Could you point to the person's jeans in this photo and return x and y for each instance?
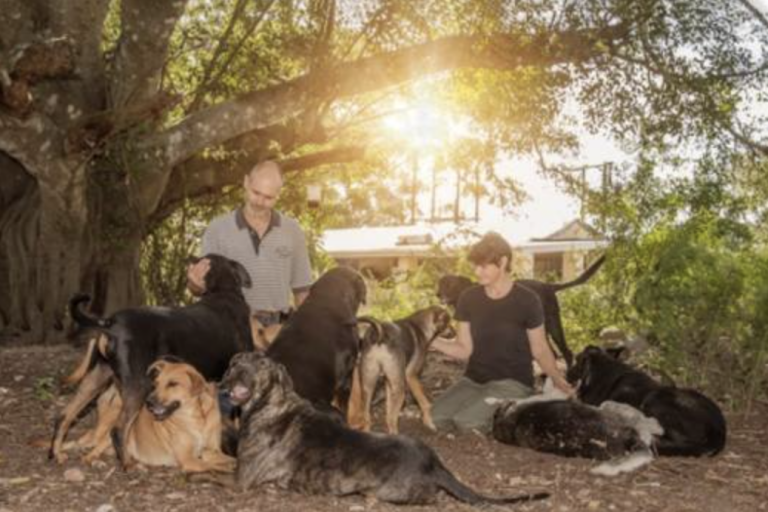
(463, 406)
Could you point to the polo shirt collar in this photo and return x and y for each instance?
(274, 219)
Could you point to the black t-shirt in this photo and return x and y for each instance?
(500, 347)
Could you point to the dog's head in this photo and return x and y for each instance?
(174, 384)
(594, 369)
(224, 275)
(450, 287)
(436, 322)
(254, 378)
(341, 284)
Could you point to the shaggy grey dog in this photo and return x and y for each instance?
(286, 441)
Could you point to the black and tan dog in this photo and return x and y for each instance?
(693, 424)
(398, 350)
(450, 288)
(286, 441)
(180, 425)
(319, 345)
(205, 334)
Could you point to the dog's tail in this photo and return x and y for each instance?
(82, 319)
(451, 485)
(583, 278)
(97, 345)
(372, 335)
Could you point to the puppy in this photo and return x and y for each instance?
(693, 424)
(206, 334)
(398, 351)
(180, 425)
(450, 288)
(319, 345)
(285, 440)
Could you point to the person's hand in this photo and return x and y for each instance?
(196, 273)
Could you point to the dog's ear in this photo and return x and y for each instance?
(283, 377)
(156, 368)
(619, 353)
(243, 277)
(197, 381)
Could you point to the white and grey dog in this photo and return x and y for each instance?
(615, 433)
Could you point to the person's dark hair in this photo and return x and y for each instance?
(490, 249)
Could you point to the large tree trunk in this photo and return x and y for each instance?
(72, 218)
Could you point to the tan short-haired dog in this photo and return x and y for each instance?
(397, 351)
(180, 424)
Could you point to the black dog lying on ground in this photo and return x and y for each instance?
(205, 334)
(613, 432)
(450, 288)
(319, 344)
(693, 424)
(287, 441)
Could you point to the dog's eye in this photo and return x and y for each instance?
(172, 384)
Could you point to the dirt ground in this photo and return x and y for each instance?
(30, 396)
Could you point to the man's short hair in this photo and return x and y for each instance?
(490, 249)
(270, 165)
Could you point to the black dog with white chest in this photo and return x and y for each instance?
(693, 424)
(286, 441)
(205, 334)
(319, 344)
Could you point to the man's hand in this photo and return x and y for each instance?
(196, 273)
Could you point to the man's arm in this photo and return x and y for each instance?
(537, 338)
(301, 271)
(461, 348)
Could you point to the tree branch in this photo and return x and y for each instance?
(200, 177)
(141, 52)
(265, 107)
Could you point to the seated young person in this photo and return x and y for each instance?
(500, 333)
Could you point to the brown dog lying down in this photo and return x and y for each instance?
(180, 424)
(286, 441)
(398, 351)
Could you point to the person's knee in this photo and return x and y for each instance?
(442, 415)
(475, 418)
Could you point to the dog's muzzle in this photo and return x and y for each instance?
(239, 394)
(161, 411)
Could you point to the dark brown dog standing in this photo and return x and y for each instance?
(319, 344)
(206, 335)
(287, 441)
(450, 288)
(398, 350)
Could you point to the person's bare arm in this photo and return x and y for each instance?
(461, 348)
(542, 353)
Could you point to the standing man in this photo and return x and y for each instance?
(269, 244)
(500, 334)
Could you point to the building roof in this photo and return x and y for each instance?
(420, 239)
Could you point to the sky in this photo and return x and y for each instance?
(547, 208)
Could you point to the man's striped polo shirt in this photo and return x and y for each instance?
(278, 263)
